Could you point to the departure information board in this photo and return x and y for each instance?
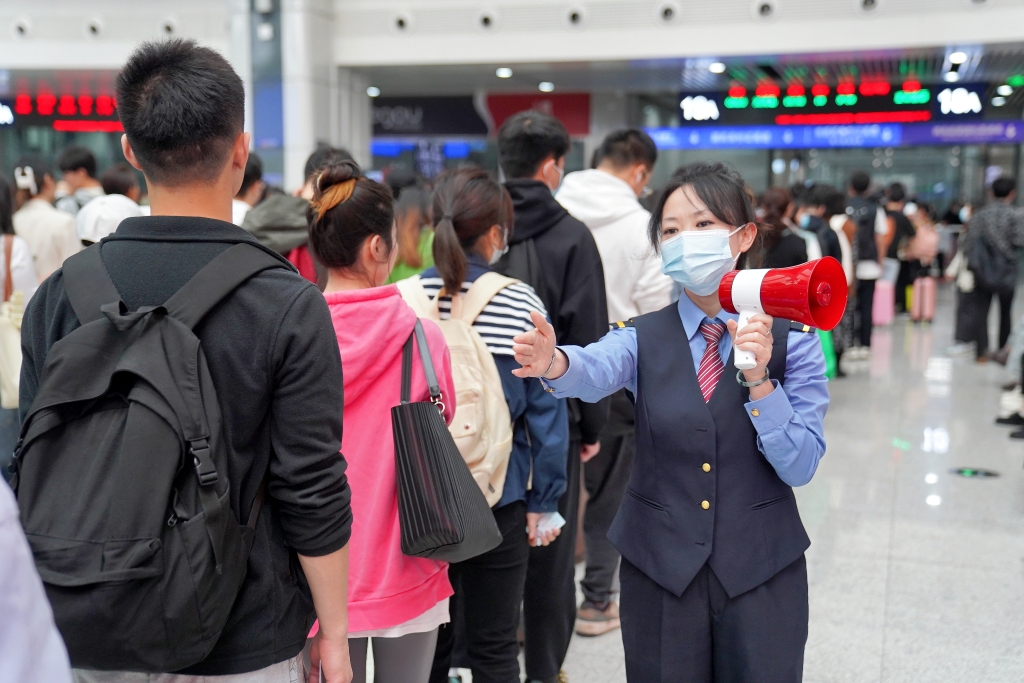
(867, 102)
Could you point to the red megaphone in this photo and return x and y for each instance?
(813, 293)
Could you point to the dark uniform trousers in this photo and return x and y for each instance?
(713, 578)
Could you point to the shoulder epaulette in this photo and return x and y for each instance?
(622, 324)
(800, 327)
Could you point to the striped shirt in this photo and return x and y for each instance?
(507, 314)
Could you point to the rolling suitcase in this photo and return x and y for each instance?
(883, 308)
(923, 304)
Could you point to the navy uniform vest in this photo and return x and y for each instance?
(692, 455)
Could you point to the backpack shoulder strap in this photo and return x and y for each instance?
(216, 280)
(417, 298)
(88, 285)
(480, 294)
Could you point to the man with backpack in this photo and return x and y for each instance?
(870, 243)
(556, 255)
(174, 374)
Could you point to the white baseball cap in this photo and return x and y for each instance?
(102, 215)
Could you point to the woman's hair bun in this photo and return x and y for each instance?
(337, 171)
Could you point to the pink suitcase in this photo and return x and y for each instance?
(922, 307)
(883, 308)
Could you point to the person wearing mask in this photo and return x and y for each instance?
(50, 234)
(279, 221)
(606, 199)
(797, 194)
(902, 233)
(395, 600)
(415, 236)
(251, 192)
(714, 580)
(23, 279)
(273, 359)
(78, 171)
(810, 216)
(869, 250)
(783, 247)
(557, 255)
(1000, 225)
(473, 223)
(846, 232)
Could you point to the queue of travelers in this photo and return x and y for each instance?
(258, 540)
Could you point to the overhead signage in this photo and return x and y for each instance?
(84, 113)
(855, 135)
(405, 116)
(572, 109)
(847, 103)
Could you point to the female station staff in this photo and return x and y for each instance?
(714, 582)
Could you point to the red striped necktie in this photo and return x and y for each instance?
(711, 366)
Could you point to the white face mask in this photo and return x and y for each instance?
(498, 253)
(698, 259)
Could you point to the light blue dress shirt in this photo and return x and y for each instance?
(789, 422)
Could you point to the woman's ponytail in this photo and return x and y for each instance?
(466, 205)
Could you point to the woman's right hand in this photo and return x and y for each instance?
(535, 349)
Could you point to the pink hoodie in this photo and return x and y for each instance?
(386, 588)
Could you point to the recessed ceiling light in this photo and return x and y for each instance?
(546, 86)
(503, 72)
(717, 68)
(933, 500)
(998, 101)
(373, 91)
(951, 77)
(1005, 90)
(958, 57)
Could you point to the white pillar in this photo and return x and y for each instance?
(240, 50)
(607, 114)
(307, 83)
(354, 115)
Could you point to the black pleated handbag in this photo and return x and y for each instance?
(442, 513)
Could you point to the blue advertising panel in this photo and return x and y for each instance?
(776, 137)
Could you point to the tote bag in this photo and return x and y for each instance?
(442, 513)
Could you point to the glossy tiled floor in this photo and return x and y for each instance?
(916, 574)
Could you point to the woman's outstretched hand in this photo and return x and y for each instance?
(534, 350)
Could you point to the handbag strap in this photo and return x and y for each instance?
(428, 368)
(8, 281)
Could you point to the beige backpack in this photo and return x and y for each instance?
(482, 427)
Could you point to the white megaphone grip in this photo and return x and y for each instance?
(746, 298)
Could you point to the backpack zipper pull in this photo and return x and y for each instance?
(172, 520)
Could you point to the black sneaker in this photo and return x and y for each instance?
(1014, 420)
(1019, 434)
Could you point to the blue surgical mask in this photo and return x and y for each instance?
(805, 221)
(498, 253)
(698, 259)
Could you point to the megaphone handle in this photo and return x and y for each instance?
(743, 359)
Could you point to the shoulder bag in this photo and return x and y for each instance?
(442, 513)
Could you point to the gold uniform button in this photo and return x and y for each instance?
(755, 412)
(706, 467)
(704, 504)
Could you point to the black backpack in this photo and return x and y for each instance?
(863, 213)
(522, 262)
(121, 474)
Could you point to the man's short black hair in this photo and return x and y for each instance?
(528, 138)
(624, 148)
(182, 107)
(323, 155)
(75, 157)
(860, 182)
(1003, 186)
(896, 192)
(819, 195)
(119, 179)
(253, 173)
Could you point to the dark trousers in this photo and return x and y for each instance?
(704, 636)
(606, 477)
(485, 607)
(865, 302)
(982, 301)
(549, 599)
(10, 428)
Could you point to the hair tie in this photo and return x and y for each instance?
(25, 179)
(449, 217)
(332, 196)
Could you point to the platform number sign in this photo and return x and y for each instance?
(959, 101)
(699, 108)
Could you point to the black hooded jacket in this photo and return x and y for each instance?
(573, 282)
